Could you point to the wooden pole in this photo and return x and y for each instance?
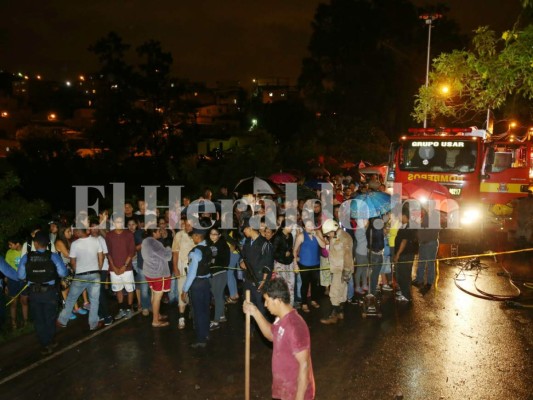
(247, 354)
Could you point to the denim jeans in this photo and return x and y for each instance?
(92, 284)
(200, 294)
(232, 283)
(351, 288)
(43, 308)
(376, 260)
(427, 253)
(146, 302)
(298, 289)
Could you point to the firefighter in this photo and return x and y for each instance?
(341, 264)
(41, 268)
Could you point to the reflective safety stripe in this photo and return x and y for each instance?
(487, 187)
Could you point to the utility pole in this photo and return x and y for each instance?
(429, 18)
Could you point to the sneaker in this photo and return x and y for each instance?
(402, 299)
(386, 288)
(87, 306)
(214, 325)
(108, 320)
(59, 324)
(145, 312)
(73, 316)
(359, 291)
(128, 313)
(46, 351)
(222, 319)
(121, 314)
(181, 323)
(81, 311)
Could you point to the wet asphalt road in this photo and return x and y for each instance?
(446, 345)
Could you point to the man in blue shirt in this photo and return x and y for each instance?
(41, 268)
(198, 286)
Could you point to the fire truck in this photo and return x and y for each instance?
(490, 177)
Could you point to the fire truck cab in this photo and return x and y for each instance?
(484, 175)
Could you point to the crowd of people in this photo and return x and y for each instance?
(181, 258)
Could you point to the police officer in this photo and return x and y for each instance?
(198, 286)
(41, 268)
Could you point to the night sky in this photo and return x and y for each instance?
(210, 40)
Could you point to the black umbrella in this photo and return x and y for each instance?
(256, 185)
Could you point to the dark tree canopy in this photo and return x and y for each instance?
(367, 59)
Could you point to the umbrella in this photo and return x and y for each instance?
(424, 191)
(348, 165)
(256, 185)
(282, 177)
(370, 205)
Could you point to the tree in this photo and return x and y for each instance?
(495, 71)
(130, 103)
(18, 215)
(367, 59)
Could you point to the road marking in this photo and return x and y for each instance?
(58, 353)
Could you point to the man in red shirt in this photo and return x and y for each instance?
(292, 369)
(121, 250)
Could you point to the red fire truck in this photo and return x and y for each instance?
(485, 175)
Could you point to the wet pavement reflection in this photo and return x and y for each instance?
(446, 345)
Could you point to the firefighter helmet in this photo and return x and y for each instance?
(329, 225)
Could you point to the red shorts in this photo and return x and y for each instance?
(159, 284)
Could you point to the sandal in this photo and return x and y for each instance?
(315, 304)
(160, 324)
(163, 317)
(232, 300)
(305, 308)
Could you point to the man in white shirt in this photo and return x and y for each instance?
(86, 258)
(103, 307)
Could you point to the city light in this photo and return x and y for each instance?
(4, 114)
(513, 124)
(67, 83)
(52, 117)
(445, 89)
(38, 77)
(82, 78)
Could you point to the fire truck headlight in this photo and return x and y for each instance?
(470, 216)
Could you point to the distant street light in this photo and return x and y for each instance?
(52, 117)
(4, 114)
(445, 89)
(429, 18)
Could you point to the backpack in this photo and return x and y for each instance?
(375, 237)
